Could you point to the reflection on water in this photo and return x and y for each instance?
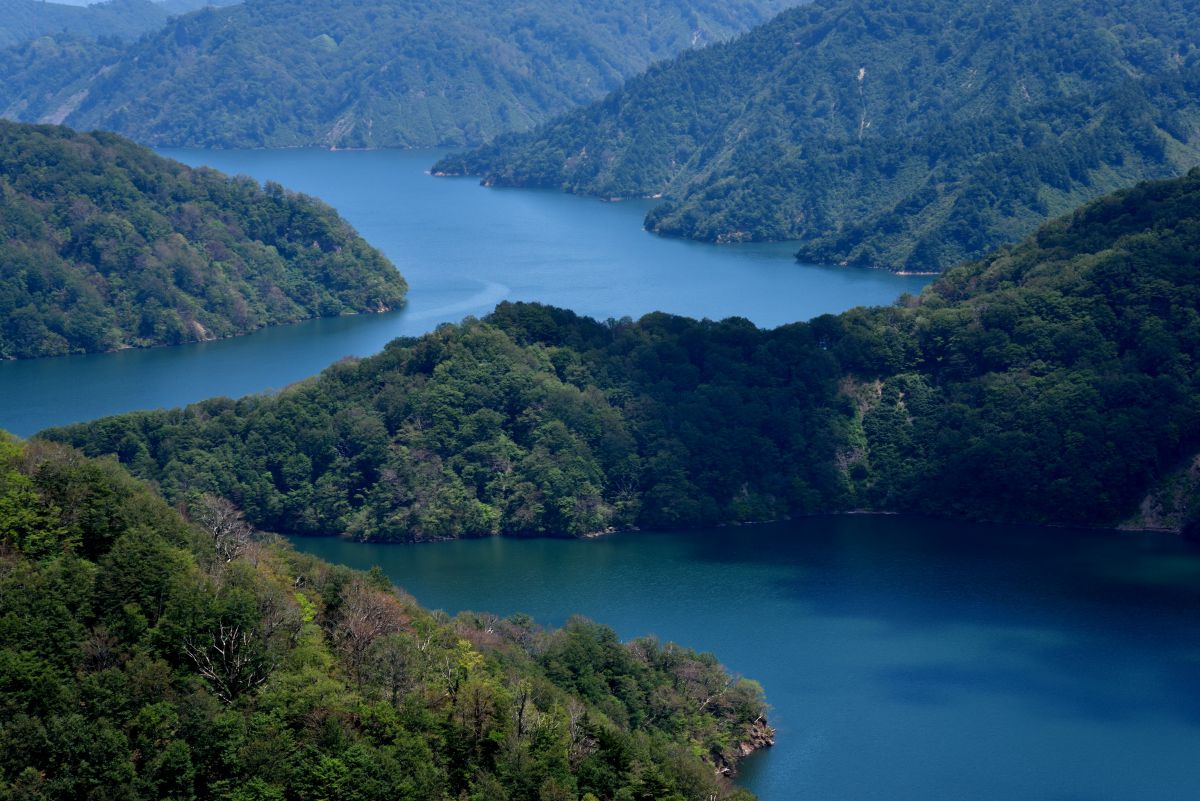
(463, 249)
(904, 658)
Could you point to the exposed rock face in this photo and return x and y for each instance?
(1171, 504)
(760, 735)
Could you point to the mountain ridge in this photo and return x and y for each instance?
(908, 136)
(24, 20)
(344, 73)
(1052, 383)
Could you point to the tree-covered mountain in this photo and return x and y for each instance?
(903, 134)
(175, 7)
(45, 78)
(23, 20)
(350, 73)
(105, 245)
(1057, 381)
(145, 656)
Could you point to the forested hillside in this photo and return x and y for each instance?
(347, 73)
(176, 7)
(143, 656)
(105, 245)
(44, 78)
(1053, 382)
(24, 20)
(901, 134)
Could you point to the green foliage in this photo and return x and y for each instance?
(348, 73)
(535, 421)
(46, 75)
(151, 667)
(1054, 382)
(886, 133)
(105, 245)
(24, 20)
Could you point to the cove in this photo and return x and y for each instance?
(905, 659)
(463, 249)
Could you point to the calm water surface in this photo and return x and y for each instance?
(905, 660)
(463, 249)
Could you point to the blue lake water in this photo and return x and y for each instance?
(463, 249)
(905, 659)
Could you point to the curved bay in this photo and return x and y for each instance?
(905, 659)
(463, 249)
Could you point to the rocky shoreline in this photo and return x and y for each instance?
(760, 736)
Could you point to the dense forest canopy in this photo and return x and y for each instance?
(145, 656)
(24, 20)
(105, 245)
(1055, 381)
(174, 7)
(902, 134)
(359, 73)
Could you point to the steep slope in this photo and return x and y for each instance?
(1057, 381)
(105, 245)
(23, 20)
(45, 79)
(900, 134)
(348, 73)
(143, 656)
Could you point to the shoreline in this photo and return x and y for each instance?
(760, 737)
(612, 530)
(260, 329)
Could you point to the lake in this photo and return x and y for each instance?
(463, 249)
(905, 659)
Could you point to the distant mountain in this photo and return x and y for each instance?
(176, 7)
(23, 20)
(105, 245)
(44, 79)
(349, 73)
(905, 134)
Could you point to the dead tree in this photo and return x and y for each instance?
(232, 661)
(224, 522)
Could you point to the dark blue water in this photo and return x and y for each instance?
(906, 660)
(463, 249)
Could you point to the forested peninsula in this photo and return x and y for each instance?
(105, 245)
(900, 134)
(349, 74)
(148, 656)
(1054, 382)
